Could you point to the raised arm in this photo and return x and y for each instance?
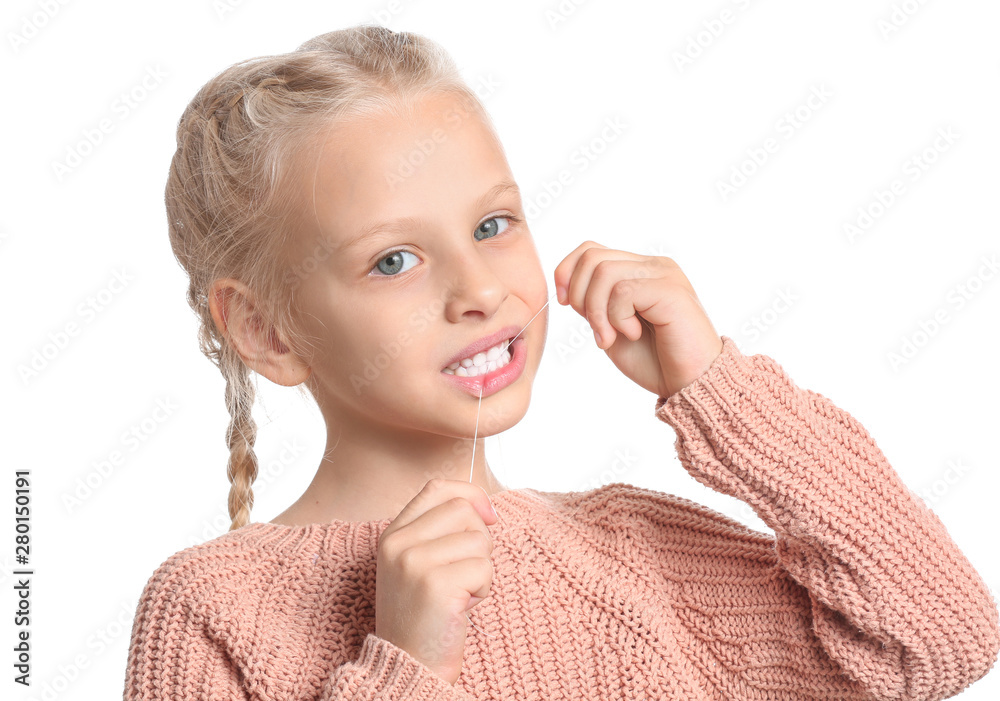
(894, 602)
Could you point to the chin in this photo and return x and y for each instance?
(506, 410)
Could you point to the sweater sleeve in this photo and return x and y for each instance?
(890, 597)
(182, 648)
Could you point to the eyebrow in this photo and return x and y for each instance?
(401, 224)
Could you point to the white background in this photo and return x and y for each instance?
(653, 190)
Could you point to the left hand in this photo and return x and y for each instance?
(650, 321)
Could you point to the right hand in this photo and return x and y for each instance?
(434, 565)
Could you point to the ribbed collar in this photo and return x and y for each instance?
(518, 509)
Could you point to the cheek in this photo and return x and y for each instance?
(528, 268)
(543, 331)
(540, 290)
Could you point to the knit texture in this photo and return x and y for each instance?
(615, 593)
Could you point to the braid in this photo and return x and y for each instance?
(240, 437)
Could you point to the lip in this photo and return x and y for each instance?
(493, 382)
(484, 344)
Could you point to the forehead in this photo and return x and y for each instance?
(410, 133)
(435, 148)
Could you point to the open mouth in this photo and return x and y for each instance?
(482, 363)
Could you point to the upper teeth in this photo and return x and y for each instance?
(481, 363)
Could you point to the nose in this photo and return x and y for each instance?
(474, 288)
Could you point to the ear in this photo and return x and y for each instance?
(259, 344)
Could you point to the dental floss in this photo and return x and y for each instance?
(470, 480)
(473, 466)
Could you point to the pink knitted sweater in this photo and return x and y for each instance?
(615, 593)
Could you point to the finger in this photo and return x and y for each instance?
(452, 548)
(610, 275)
(454, 516)
(438, 491)
(658, 301)
(564, 271)
(580, 278)
(472, 576)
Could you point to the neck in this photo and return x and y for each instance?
(365, 477)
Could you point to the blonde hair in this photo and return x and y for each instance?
(230, 190)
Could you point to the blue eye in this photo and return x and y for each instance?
(396, 265)
(490, 227)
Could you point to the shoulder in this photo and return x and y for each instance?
(625, 513)
(210, 609)
(618, 502)
(194, 576)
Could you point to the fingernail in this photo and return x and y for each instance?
(597, 337)
(494, 509)
(561, 294)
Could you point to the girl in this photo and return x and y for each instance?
(405, 293)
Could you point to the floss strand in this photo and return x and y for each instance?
(476, 435)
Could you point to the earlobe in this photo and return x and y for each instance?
(283, 367)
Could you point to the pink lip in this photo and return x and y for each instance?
(484, 344)
(499, 378)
